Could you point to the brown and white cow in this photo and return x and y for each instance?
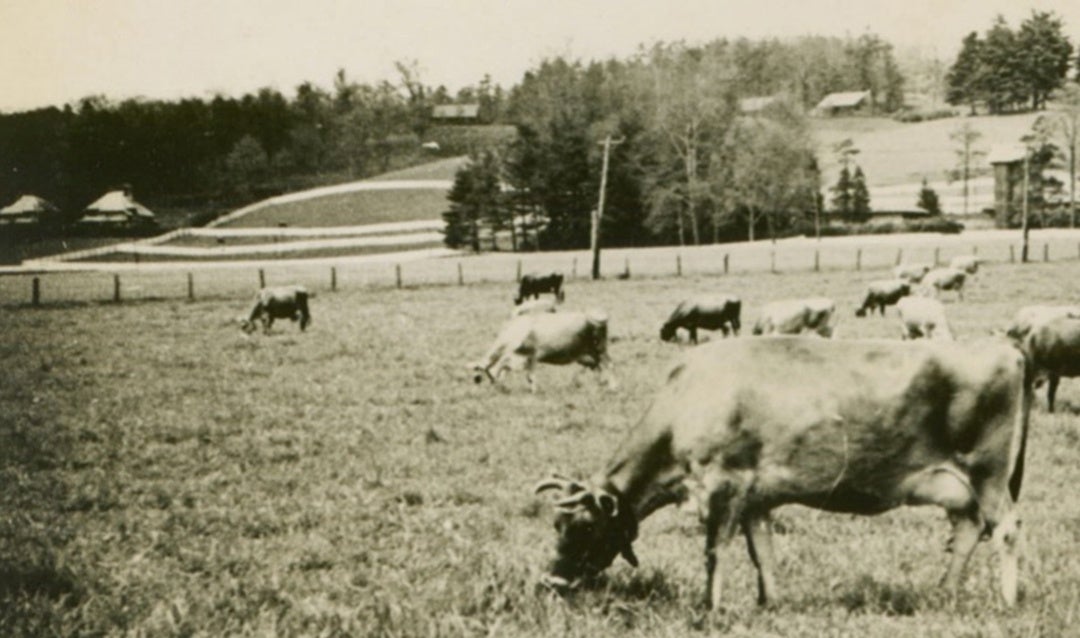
(882, 293)
(796, 316)
(912, 273)
(533, 284)
(940, 279)
(923, 317)
(708, 312)
(556, 338)
(1030, 317)
(967, 263)
(853, 426)
(279, 302)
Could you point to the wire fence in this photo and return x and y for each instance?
(199, 280)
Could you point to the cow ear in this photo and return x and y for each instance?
(628, 553)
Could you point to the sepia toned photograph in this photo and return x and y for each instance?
(515, 318)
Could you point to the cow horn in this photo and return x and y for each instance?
(628, 553)
(574, 499)
(550, 484)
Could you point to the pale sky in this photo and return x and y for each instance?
(57, 51)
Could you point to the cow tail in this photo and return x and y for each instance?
(1016, 477)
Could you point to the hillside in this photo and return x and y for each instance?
(896, 156)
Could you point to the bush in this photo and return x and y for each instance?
(910, 116)
(928, 225)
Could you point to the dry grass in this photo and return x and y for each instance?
(165, 475)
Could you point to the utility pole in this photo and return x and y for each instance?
(594, 235)
(1024, 210)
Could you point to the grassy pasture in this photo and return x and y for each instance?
(165, 475)
(350, 209)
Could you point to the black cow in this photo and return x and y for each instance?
(532, 284)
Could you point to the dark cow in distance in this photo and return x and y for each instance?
(281, 302)
(708, 312)
(851, 426)
(1053, 347)
(882, 293)
(533, 284)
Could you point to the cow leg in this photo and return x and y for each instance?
(735, 326)
(530, 363)
(725, 512)
(966, 529)
(758, 530)
(1051, 390)
(693, 335)
(1003, 524)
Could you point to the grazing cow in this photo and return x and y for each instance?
(532, 284)
(852, 426)
(944, 279)
(556, 338)
(1030, 317)
(534, 306)
(923, 317)
(967, 263)
(885, 292)
(795, 316)
(709, 312)
(1053, 348)
(912, 273)
(281, 302)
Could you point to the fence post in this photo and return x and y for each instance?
(937, 256)
(726, 263)
(262, 278)
(817, 260)
(899, 256)
(975, 250)
(517, 277)
(190, 287)
(626, 268)
(116, 288)
(1012, 254)
(858, 259)
(678, 265)
(772, 261)
(397, 274)
(1046, 251)
(333, 279)
(573, 269)
(35, 292)
(460, 275)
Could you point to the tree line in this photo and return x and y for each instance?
(223, 151)
(1006, 69)
(691, 166)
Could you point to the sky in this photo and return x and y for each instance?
(57, 51)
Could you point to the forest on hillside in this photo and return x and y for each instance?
(690, 162)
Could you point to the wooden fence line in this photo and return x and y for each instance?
(728, 263)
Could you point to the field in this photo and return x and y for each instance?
(350, 209)
(165, 475)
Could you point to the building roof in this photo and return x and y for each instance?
(755, 104)
(450, 111)
(29, 204)
(1006, 153)
(119, 202)
(847, 99)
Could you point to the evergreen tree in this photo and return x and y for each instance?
(928, 199)
(860, 197)
(842, 200)
(475, 201)
(1044, 53)
(964, 78)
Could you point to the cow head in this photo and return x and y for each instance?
(594, 526)
(667, 332)
(479, 370)
(247, 325)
